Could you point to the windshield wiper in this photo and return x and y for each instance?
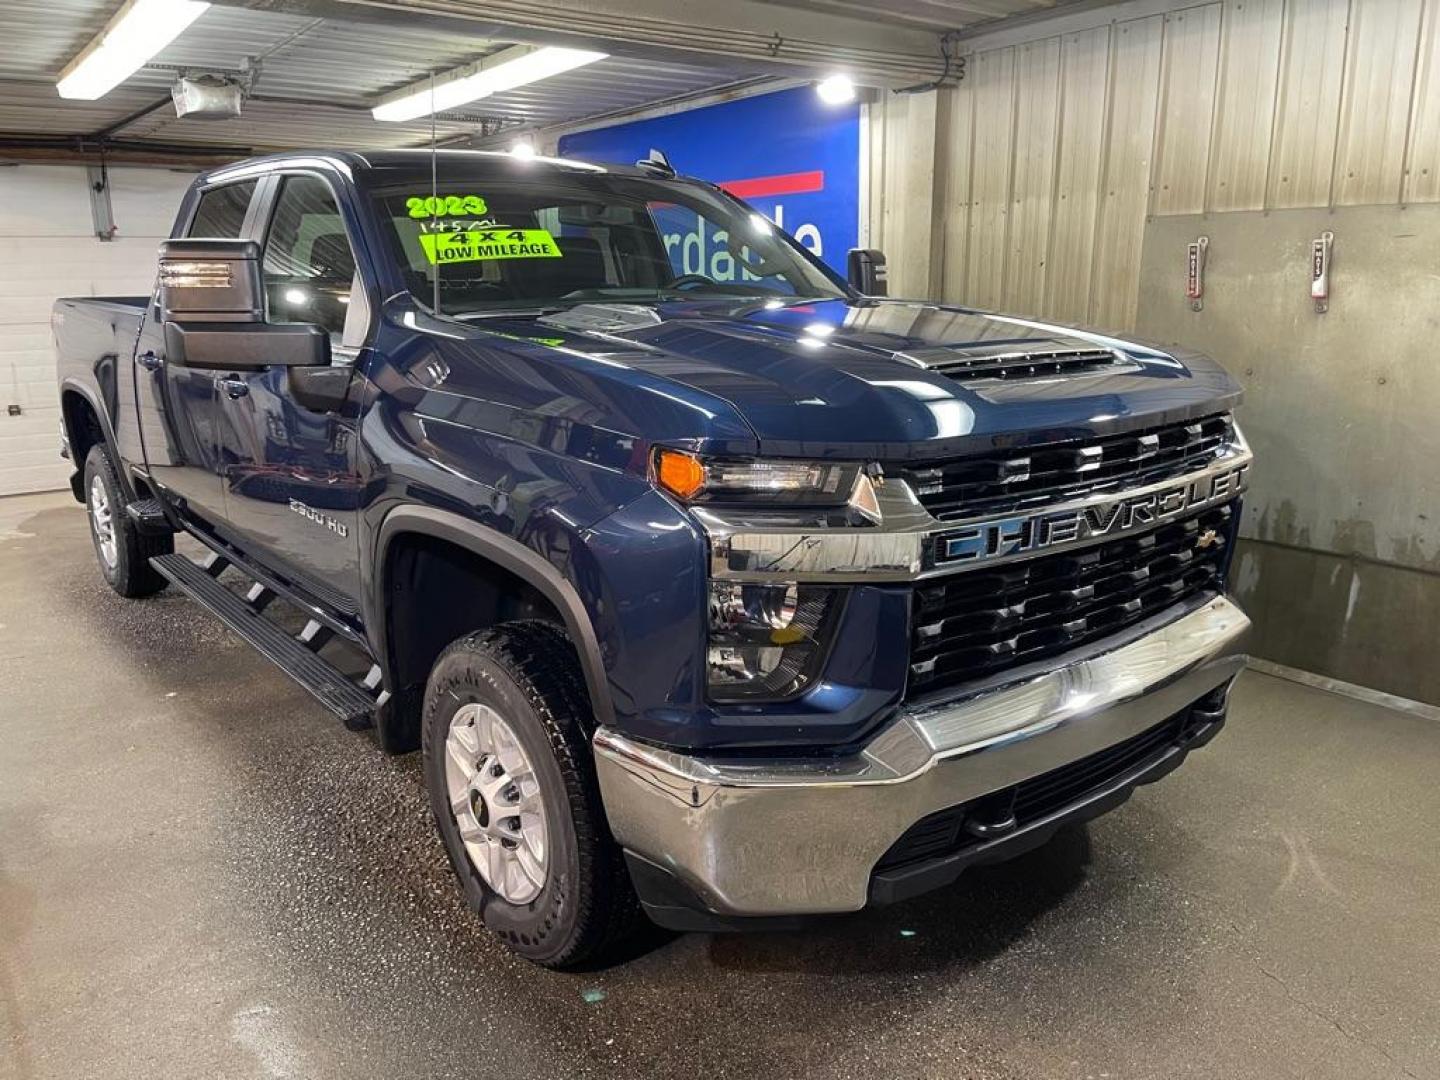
(510, 313)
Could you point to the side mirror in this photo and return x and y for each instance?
(212, 306)
(211, 281)
(865, 270)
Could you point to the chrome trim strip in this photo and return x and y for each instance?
(712, 821)
(761, 547)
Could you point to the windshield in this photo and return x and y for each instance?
(502, 243)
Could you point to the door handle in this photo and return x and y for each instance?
(234, 387)
(148, 360)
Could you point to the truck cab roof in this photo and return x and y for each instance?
(500, 163)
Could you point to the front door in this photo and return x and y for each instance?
(287, 460)
(177, 406)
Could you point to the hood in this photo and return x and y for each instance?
(863, 378)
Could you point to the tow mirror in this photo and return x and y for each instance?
(865, 270)
(212, 305)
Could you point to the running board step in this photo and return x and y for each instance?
(294, 656)
(148, 516)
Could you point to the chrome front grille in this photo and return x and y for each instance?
(970, 624)
(1015, 479)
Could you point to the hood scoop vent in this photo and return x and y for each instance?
(974, 366)
(603, 318)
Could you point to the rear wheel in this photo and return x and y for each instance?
(512, 784)
(122, 550)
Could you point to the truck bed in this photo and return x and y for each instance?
(95, 349)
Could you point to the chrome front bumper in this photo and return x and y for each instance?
(802, 836)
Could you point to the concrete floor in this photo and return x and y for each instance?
(202, 874)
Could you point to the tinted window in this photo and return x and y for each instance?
(308, 266)
(221, 212)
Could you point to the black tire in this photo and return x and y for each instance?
(130, 574)
(529, 674)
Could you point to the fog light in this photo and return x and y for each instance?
(766, 641)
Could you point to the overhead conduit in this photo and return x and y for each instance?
(792, 41)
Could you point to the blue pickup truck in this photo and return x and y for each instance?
(710, 586)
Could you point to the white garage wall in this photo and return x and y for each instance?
(48, 249)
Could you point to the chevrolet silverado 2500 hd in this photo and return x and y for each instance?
(708, 585)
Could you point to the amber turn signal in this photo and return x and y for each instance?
(679, 473)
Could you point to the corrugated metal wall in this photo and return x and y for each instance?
(1046, 160)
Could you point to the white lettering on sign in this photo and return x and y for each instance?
(704, 252)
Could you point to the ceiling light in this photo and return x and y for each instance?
(505, 70)
(524, 148)
(136, 34)
(835, 89)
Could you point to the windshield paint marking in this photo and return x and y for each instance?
(481, 245)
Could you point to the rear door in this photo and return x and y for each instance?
(288, 456)
(178, 406)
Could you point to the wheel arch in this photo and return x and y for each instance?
(506, 555)
(87, 422)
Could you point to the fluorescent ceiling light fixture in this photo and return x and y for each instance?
(836, 89)
(505, 70)
(130, 40)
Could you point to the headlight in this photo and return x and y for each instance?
(767, 642)
(697, 479)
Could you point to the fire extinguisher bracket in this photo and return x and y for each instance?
(1195, 253)
(1320, 256)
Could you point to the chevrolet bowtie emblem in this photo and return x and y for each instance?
(1208, 537)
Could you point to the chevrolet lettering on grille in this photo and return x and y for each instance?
(1013, 535)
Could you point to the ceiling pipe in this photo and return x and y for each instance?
(764, 37)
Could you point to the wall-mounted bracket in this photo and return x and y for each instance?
(1195, 272)
(1320, 256)
(101, 213)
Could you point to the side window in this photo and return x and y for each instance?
(308, 266)
(221, 212)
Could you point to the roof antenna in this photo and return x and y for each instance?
(434, 199)
(657, 162)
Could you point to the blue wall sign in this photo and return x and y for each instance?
(792, 157)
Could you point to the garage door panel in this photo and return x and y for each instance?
(45, 201)
(48, 250)
(22, 340)
(23, 310)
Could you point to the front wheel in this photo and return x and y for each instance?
(122, 550)
(512, 785)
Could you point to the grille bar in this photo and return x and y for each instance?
(970, 624)
(1016, 478)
